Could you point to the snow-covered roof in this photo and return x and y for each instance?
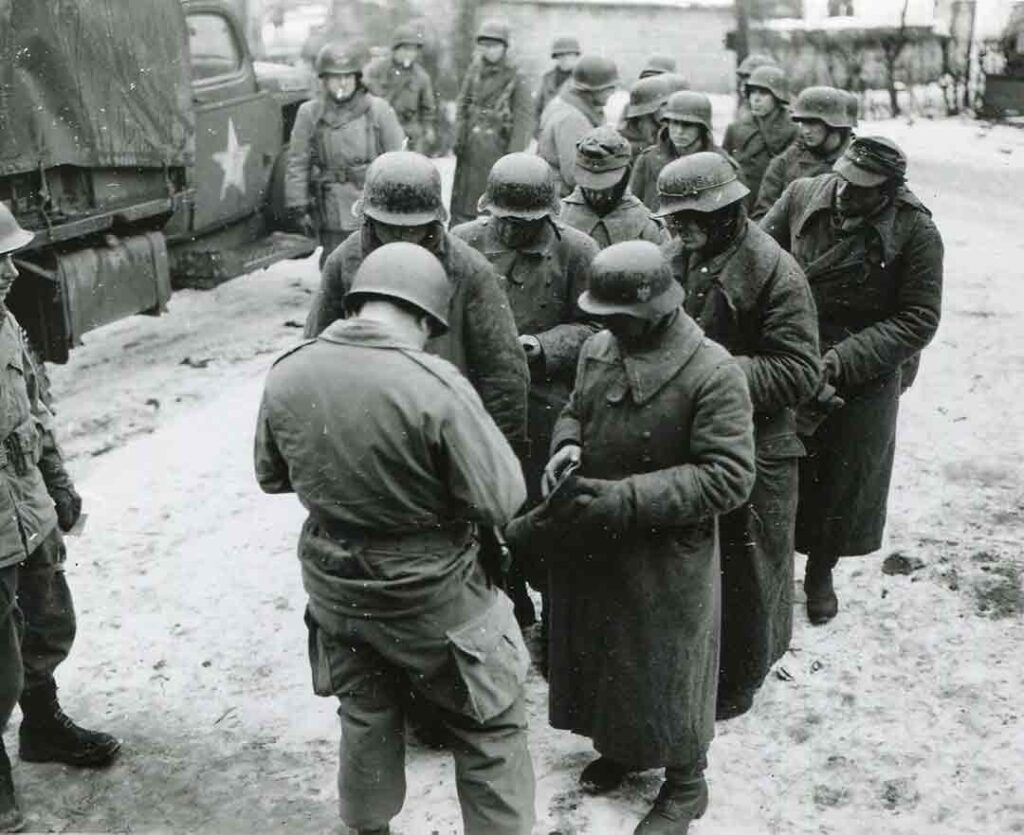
(678, 4)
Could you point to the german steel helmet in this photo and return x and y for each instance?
(701, 182)
(647, 96)
(826, 104)
(752, 62)
(772, 79)
(595, 72)
(601, 156)
(853, 107)
(675, 82)
(12, 236)
(688, 106)
(402, 188)
(406, 272)
(565, 46)
(520, 185)
(631, 278)
(334, 59)
(406, 36)
(658, 64)
(494, 30)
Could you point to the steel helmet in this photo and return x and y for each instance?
(853, 108)
(631, 278)
(647, 96)
(688, 106)
(406, 272)
(402, 188)
(826, 104)
(334, 59)
(675, 82)
(658, 64)
(595, 72)
(701, 182)
(494, 30)
(12, 236)
(406, 35)
(752, 62)
(565, 46)
(772, 79)
(520, 185)
(601, 156)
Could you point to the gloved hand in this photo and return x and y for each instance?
(596, 505)
(68, 505)
(810, 415)
(565, 456)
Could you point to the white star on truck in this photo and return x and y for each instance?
(232, 160)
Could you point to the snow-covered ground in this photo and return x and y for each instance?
(903, 716)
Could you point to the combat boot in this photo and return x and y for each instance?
(11, 819)
(47, 734)
(682, 799)
(602, 776)
(822, 603)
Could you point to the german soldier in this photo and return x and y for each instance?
(335, 137)
(752, 299)
(765, 131)
(642, 116)
(403, 202)
(565, 52)
(398, 469)
(494, 117)
(543, 265)
(602, 205)
(743, 72)
(577, 108)
(658, 65)
(873, 258)
(660, 425)
(37, 615)
(406, 85)
(686, 129)
(825, 126)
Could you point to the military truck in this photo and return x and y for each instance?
(144, 147)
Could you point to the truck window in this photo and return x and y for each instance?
(212, 46)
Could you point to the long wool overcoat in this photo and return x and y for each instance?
(635, 617)
(754, 141)
(878, 291)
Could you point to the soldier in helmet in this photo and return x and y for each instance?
(753, 300)
(743, 72)
(658, 65)
(577, 108)
(37, 615)
(873, 257)
(642, 116)
(686, 129)
(495, 117)
(602, 205)
(565, 52)
(398, 469)
(543, 265)
(335, 137)
(765, 131)
(401, 80)
(659, 425)
(825, 125)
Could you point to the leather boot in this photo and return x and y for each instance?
(47, 734)
(731, 705)
(602, 776)
(11, 819)
(822, 603)
(682, 799)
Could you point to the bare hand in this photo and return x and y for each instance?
(568, 455)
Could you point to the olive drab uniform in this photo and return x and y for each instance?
(410, 93)
(37, 617)
(494, 118)
(389, 558)
(331, 146)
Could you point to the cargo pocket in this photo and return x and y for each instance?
(491, 660)
(319, 659)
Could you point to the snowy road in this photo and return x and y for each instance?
(903, 716)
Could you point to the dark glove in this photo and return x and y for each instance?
(595, 505)
(68, 505)
(810, 415)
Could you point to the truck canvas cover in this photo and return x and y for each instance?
(96, 83)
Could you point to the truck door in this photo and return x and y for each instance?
(238, 127)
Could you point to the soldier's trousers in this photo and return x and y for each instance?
(368, 665)
(37, 621)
